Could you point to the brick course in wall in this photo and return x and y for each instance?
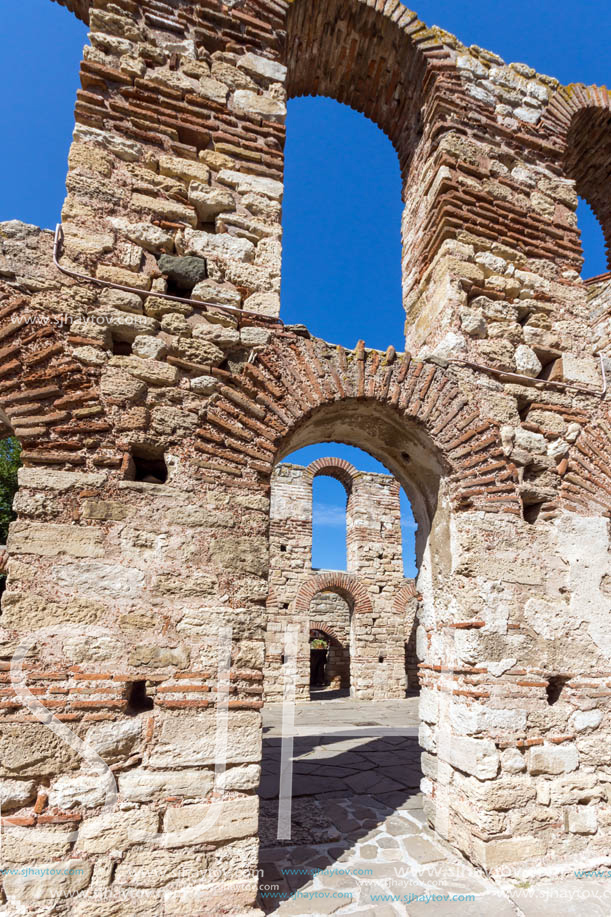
(495, 420)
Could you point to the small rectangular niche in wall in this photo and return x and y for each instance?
(138, 701)
(147, 465)
(121, 348)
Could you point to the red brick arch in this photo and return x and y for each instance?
(257, 412)
(346, 585)
(325, 629)
(586, 484)
(406, 592)
(581, 117)
(374, 55)
(336, 468)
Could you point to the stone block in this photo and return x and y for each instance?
(504, 852)
(512, 761)
(260, 66)
(185, 272)
(116, 831)
(243, 777)
(527, 361)
(48, 539)
(210, 292)
(30, 611)
(153, 372)
(142, 785)
(159, 656)
(189, 741)
(583, 370)
(221, 820)
(165, 209)
(240, 553)
(187, 170)
(245, 101)
(151, 238)
(120, 386)
(59, 480)
(581, 820)
(209, 202)
(576, 788)
(213, 89)
(16, 793)
(104, 509)
(217, 245)
(101, 580)
(583, 720)
(115, 740)
(49, 882)
(82, 790)
(244, 183)
(478, 757)
(125, 149)
(553, 759)
(32, 750)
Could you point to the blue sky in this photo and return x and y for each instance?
(342, 209)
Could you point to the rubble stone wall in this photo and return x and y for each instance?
(375, 640)
(494, 420)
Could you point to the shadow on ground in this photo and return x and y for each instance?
(344, 788)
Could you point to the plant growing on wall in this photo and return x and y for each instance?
(10, 460)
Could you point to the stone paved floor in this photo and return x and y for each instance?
(359, 841)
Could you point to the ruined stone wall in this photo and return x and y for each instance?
(178, 151)
(376, 637)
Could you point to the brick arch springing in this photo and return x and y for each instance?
(41, 388)
(248, 426)
(581, 117)
(586, 484)
(325, 629)
(346, 585)
(405, 593)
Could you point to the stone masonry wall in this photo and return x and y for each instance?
(495, 420)
(376, 637)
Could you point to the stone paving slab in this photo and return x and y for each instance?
(566, 897)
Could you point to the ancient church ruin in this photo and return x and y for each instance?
(368, 613)
(147, 374)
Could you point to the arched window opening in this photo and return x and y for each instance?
(592, 241)
(328, 524)
(329, 506)
(40, 111)
(342, 208)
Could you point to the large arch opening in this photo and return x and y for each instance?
(40, 111)
(371, 528)
(593, 243)
(588, 164)
(341, 220)
(10, 462)
(376, 63)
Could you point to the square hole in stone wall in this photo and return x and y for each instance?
(148, 465)
(121, 348)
